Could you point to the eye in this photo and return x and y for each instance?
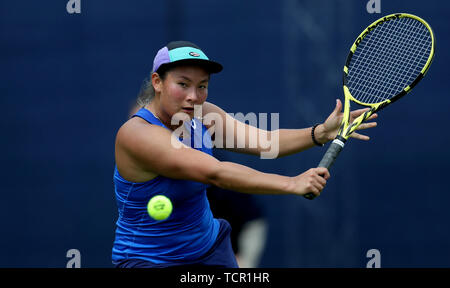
(182, 84)
(202, 86)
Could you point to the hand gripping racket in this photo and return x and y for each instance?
(385, 62)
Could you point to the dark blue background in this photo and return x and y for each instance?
(67, 83)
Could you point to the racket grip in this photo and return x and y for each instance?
(329, 158)
(332, 153)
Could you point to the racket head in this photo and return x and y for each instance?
(374, 73)
(388, 59)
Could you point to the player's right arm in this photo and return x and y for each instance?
(144, 151)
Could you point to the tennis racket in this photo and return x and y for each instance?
(385, 62)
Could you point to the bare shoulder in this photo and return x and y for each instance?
(135, 136)
(127, 133)
(144, 151)
(130, 129)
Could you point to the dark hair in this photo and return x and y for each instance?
(147, 91)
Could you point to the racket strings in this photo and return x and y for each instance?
(383, 66)
(392, 85)
(373, 67)
(388, 59)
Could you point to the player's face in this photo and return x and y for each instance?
(183, 88)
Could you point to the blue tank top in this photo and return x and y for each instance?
(188, 233)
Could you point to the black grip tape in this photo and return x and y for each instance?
(331, 155)
(328, 159)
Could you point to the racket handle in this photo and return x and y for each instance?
(332, 153)
(329, 158)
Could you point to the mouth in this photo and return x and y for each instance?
(188, 110)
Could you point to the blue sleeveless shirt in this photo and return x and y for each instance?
(188, 233)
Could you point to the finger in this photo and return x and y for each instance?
(318, 187)
(312, 188)
(315, 191)
(321, 180)
(356, 113)
(373, 116)
(323, 172)
(367, 125)
(337, 108)
(315, 188)
(360, 136)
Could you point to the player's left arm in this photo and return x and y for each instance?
(289, 141)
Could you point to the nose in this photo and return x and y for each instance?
(192, 96)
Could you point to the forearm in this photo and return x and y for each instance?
(279, 143)
(239, 178)
(296, 140)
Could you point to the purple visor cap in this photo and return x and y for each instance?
(162, 57)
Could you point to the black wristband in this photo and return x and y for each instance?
(313, 137)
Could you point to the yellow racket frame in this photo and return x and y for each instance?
(346, 129)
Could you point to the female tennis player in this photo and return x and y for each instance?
(148, 164)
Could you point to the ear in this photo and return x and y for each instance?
(156, 82)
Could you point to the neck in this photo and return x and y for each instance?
(159, 113)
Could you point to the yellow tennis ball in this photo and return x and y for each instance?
(159, 207)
